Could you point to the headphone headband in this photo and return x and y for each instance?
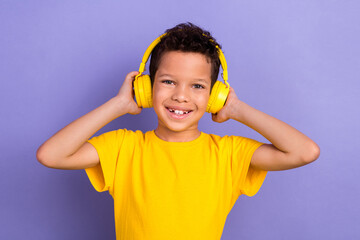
(157, 40)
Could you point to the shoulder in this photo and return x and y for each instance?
(134, 135)
(119, 135)
(232, 141)
(227, 138)
(216, 140)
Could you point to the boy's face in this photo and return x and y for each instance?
(181, 91)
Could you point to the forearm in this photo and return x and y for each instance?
(70, 138)
(284, 137)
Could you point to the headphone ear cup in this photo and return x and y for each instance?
(147, 91)
(143, 92)
(218, 96)
(136, 90)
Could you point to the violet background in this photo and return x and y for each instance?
(296, 60)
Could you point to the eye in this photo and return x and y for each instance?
(167, 81)
(198, 86)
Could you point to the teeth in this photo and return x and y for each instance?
(178, 111)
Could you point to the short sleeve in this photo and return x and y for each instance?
(107, 146)
(246, 180)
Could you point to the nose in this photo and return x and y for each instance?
(180, 94)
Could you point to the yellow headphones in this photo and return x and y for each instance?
(143, 91)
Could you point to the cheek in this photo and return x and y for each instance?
(203, 100)
(158, 97)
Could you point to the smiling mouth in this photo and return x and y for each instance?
(178, 113)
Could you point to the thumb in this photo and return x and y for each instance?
(214, 116)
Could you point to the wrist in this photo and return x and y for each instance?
(238, 111)
(117, 105)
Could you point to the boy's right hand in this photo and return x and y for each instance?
(69, 149)
(126, 95)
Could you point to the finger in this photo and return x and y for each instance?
(131, 75)
(127, 84)
(213, 117)
(231, 90)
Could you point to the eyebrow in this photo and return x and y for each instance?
(197, 79)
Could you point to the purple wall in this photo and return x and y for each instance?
(298, 61)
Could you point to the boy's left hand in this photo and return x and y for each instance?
(226, 112)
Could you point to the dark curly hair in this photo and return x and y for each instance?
(187, 37)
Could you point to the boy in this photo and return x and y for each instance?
(176, 182)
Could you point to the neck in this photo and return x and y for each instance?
(172, 136)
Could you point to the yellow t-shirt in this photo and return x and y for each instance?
(173, 190)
